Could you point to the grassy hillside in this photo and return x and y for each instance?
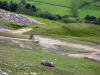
(62, 6)
(11, 55)
(54, 28)
(28, 60)
(65, 10)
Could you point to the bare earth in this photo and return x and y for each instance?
(20, 31)
(53, 43)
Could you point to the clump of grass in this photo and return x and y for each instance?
(14, 26)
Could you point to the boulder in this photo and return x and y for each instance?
(46, 63)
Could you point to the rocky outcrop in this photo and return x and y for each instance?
(17, 18)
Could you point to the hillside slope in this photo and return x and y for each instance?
(19, 56)
(55, 42)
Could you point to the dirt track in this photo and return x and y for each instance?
(50, 41)
(21, 31)
(53, 43)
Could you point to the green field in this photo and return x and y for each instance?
(51, 8)
(90, 10)
(64, 10)
(61, 7)
(97, 3)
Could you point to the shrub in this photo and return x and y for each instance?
(90, 19)
(28, 6)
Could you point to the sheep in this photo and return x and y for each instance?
(4, 73)
(32, 73)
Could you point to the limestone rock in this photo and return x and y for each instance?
(17, 18)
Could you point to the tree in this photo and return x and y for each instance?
(4, 5)
(34, 8)
(74, 10)
(23, 2)
(27, 6)
(13, 6)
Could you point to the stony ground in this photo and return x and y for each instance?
(17, 18)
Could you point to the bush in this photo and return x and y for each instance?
(90, 19)
(58, 17)
(28, 6)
